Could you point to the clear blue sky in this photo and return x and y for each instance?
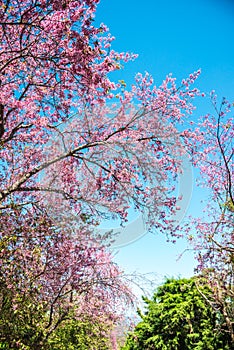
(175, 37)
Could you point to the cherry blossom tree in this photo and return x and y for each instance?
(76, 148)
(56, 123)
(50, 276)
(212, 151)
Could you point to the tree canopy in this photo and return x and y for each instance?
(77, 148)
(179, 317)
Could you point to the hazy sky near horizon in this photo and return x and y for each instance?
(175, 37)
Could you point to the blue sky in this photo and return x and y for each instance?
(175, 37)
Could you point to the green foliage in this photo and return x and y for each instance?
(178, 317)
(80, 335)
(21, 321)
(23, 325)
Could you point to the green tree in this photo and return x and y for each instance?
(86, 334)
(179, 317)
(24, 328)
(21, 327)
